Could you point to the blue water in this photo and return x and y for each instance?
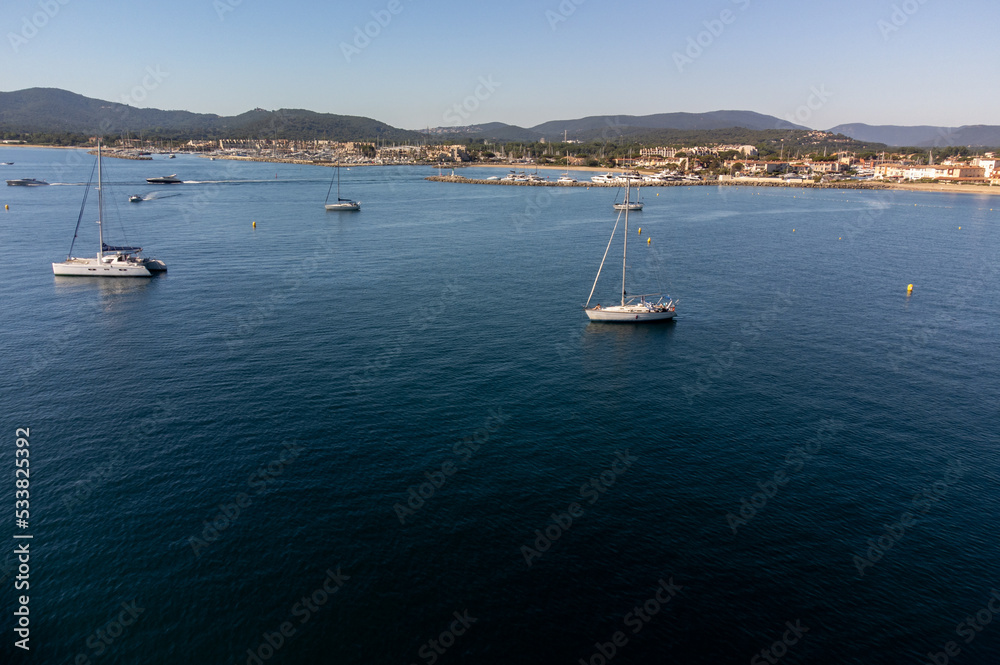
(311, 371)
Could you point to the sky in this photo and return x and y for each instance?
(416, 64)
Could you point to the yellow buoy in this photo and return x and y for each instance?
(793, 230)
(640, 230)
(960, 228)
(6, 206)
(648, 240)
(255, 224)
(909, 289)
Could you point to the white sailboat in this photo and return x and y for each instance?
(633, 309)
(341, 204)
(111, 260)
(628, 204)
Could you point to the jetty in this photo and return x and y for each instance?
(748, 182)
(121, 155)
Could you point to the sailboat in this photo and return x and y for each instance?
(628, 204)
(341, 204)
(636, 309)
(111, 260)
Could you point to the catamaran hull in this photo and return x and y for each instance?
(94, 269)
(618, 315)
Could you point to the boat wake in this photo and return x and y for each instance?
(239, 182)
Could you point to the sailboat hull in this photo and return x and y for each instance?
(354, 205)
(628, 314)
(95, 268)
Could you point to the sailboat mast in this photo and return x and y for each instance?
(625, 250)
(100, 205)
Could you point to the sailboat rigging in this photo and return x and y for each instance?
(341, 204)
(633, 309)
(111, 260)
(628, 204)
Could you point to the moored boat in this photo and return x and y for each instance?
(110, 260)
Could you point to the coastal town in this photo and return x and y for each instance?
(721, 162)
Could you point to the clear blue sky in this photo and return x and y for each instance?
(879, 62)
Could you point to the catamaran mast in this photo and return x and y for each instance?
(100, 206)
(625, 250)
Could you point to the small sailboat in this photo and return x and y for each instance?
(111, 260)
(628, 204)
(633, 309)
(341, 204)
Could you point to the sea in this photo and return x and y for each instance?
(392, 436)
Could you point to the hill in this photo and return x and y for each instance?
(51, 110)
(923, 135)
(684, 121)
(614, 127)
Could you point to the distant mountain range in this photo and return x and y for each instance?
(926, 136)
(610, 127)
(51, 110)
(48, 110)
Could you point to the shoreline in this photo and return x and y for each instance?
(703, 183)
(945, 188)
(939, 188)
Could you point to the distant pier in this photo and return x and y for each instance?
(121, 155)
(762, 182)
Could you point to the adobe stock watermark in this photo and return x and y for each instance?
(140, 433)
(534, 204)
(363, 37)
(920, 336)
(433, 649)
(562, 522)
(723, 361)
(565, 9)
(48, 9)
(365, 377)
(900, 16)
(303, 610)
(968, 629)
(101, 639)
(817, 99)
(922, 502)
(605, 652)
(779, 649)
(419, 495)
(795, 460)
(152, 79)
(458, 113)
(259, 483)
(223, 7)
(714, 28)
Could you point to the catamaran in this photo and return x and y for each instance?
(633, 309)
(111, 260)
